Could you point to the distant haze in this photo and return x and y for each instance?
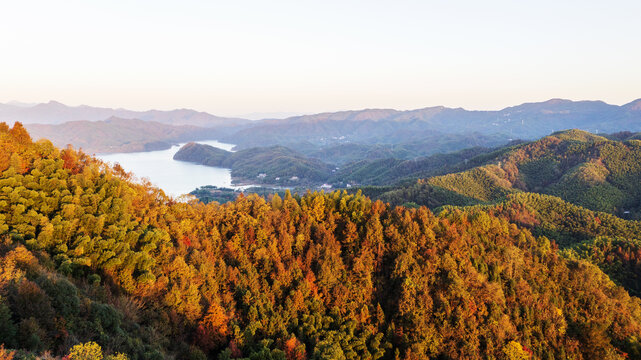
(270, 115)
(237, 57)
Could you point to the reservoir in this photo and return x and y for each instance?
(174, 177)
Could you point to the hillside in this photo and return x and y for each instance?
(89, 255)
(271, 165)
(119, 135)
(391, 170)
(612, 243)
(579, 167)
(422, 146)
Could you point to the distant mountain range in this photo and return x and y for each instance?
(421, 132)
(54, 112)
(526, 121)
(105, 130)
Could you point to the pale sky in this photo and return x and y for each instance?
(238, 57)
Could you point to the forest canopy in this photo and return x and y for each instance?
(96, 263)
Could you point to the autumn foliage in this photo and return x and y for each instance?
(90, 256)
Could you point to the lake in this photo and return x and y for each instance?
(174, 177)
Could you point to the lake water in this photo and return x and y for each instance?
(174, 177)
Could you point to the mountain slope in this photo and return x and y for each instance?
(318, 276)
(579, 167)
(612, 243)
(633, 105)
(389, 171)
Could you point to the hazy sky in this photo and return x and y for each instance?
(237, 57)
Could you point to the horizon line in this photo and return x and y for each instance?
(28, 105)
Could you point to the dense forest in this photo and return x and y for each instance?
(95, 265)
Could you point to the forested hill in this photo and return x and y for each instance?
(93, 263)
(272, 165)
(605, 240)
(582, 168)
(392, 170)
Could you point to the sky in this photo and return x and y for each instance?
(246, 57)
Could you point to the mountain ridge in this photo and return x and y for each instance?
(389, 126)
(633, 105)
(375, 114)
(54, 112)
